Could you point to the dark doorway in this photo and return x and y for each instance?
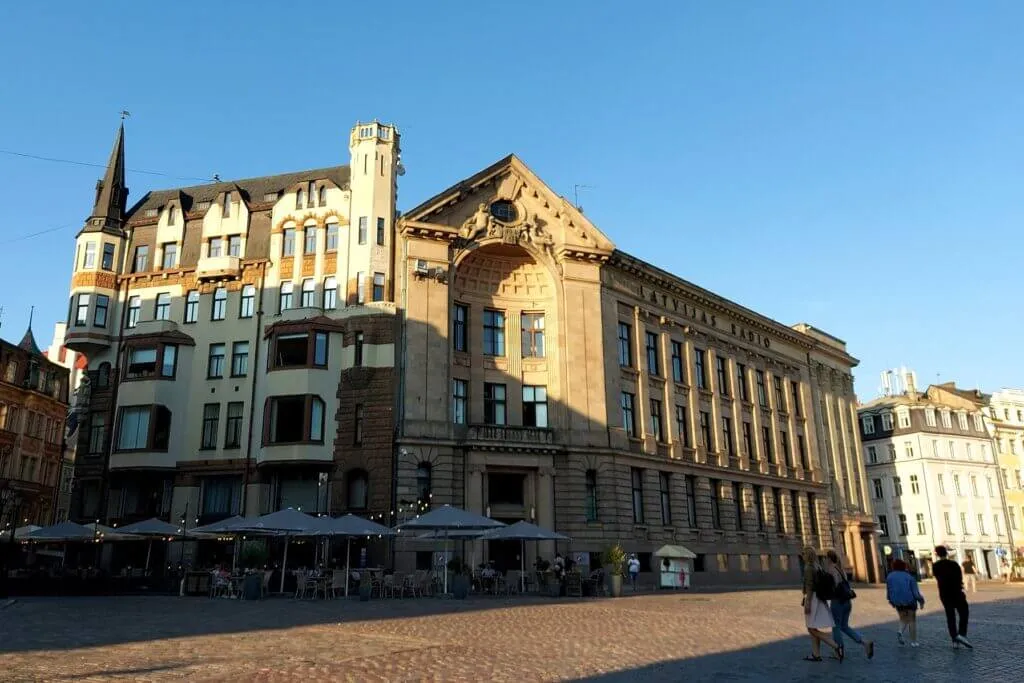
(505, 554)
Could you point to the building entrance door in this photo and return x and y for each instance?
(505, 554)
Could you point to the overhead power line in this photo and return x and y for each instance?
(37, 234)
(37, 157)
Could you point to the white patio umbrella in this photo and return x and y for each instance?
(523, 532)
(20, 533)
(150, 529)
(349, 527)
(287, 523)
(448, 519)
(64, 532)
(108, 533)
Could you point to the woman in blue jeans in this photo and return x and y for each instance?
(842, 606)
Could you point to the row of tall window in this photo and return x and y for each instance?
(495, 403)
(733, 444)
(964, 528)
(37, 425)
(902, 416)
(531, 328)
(329, 296)
(309, 237)
(702, 371)
(936, 451)
(940, 481)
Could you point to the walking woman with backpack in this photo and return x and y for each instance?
(818, 587)
(842, 606)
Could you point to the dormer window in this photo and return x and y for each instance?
(172, 214)
(323, 195)
(311, 197)
(503, 210)
(298, 199)
(887, 422)
(226, 211)
(903, 417)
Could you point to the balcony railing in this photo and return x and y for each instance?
(539, 436)
(218, 266)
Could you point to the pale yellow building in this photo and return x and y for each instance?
(1006, 410)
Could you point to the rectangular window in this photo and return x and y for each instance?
(285, 294)
(330, 293)
(320, 349)
(494, 333)
(233, 435)
(947, 419)
(664, 485)
(142, 362)
(974, 486)
(358, 350)
(721, 369)
(532, 325)
(216, 247)
(215, 362)
(378, 286)
(460, 319)
(948, 523)
(380, 231)
(748, 440)
(677, 361)
(628, 414)
(716, 513)
(90, 255)
(247, 306)
(234, 245)
(360, 287)
(801, 448)
(700, 371)
(637, 477)
(777, 497)
(332, 237)
(904, 530)
(590, 495)
(897, 487)
(108, 256)
(1012, 516)
(134, 308)
(82, 310)
(357, 432)
(919, 518)
(798, 519)
(220, 304)
(766, 439)
(741, 382)
(97, 433)
(651, 347)
(794, 388)
(535, 406)
(363, 222)
(915, 485)
(908, 449)
(99, 316)
(211, 418)
(737, 499)
(308, 293)
(942, 485)
(170, 255)
(704, 418)
(892, 451)
(730, 448)
(226, 206)
(929, 417)
(683, 426)
(780, 399)
(295, 419)
(656, 425)
(144, 428)
(309, 240)
(691, 500)
(625, 345)
(867, 423)
(872, 455)
(963, 523)
(762, 392)
(886, 422)
(956, 485)
(168, 360)
(995, 524)
(240, 359)
(903, 418)
(981, 525)
(162, 310)
(494, 404)
(288, 242)
(460, 390)
(192, 306)
(141, 258)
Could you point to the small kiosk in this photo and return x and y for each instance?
(675, 563)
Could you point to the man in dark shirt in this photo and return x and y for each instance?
(951, 592)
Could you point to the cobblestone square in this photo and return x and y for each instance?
(743, 635)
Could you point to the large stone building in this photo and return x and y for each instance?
(33, 407)
(933, 475)
(1007, 415)
(258, 344)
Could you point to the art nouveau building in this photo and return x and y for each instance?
(1006, 409)
(933, 475)
(548, 376)
(286, 341)
(239, 335)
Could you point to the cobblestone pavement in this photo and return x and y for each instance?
(744, 635)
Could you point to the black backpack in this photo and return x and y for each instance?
(824, 585)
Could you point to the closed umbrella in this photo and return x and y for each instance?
(150, 529)
(523, 532)
(450, 519)
(349, 527)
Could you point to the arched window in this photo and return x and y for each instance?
(423, 493)
(357, 484)
(323, 195)
(298, 199)
(103, 376)
(590, 497)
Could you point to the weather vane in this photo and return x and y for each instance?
(125, 114)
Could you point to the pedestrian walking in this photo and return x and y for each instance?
(951, 593)
(634, 571)
(903, 594)
(842, 606)
(970, 575)
(1006, 571)
(818, 589)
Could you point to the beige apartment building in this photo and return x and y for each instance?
(1006, 410)
(289, 341)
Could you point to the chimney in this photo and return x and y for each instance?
(910, 380)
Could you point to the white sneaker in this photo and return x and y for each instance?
(899, 638)
(963, 641)
(915, 644)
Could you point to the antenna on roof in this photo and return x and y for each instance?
(125, 114)
(576, 195)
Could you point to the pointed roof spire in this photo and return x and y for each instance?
(111, 192)
(28, 342)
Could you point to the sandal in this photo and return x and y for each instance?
(812, 658)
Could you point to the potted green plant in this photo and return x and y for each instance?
(615, 560)
(365, 586)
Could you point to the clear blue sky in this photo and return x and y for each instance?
(858, 166)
